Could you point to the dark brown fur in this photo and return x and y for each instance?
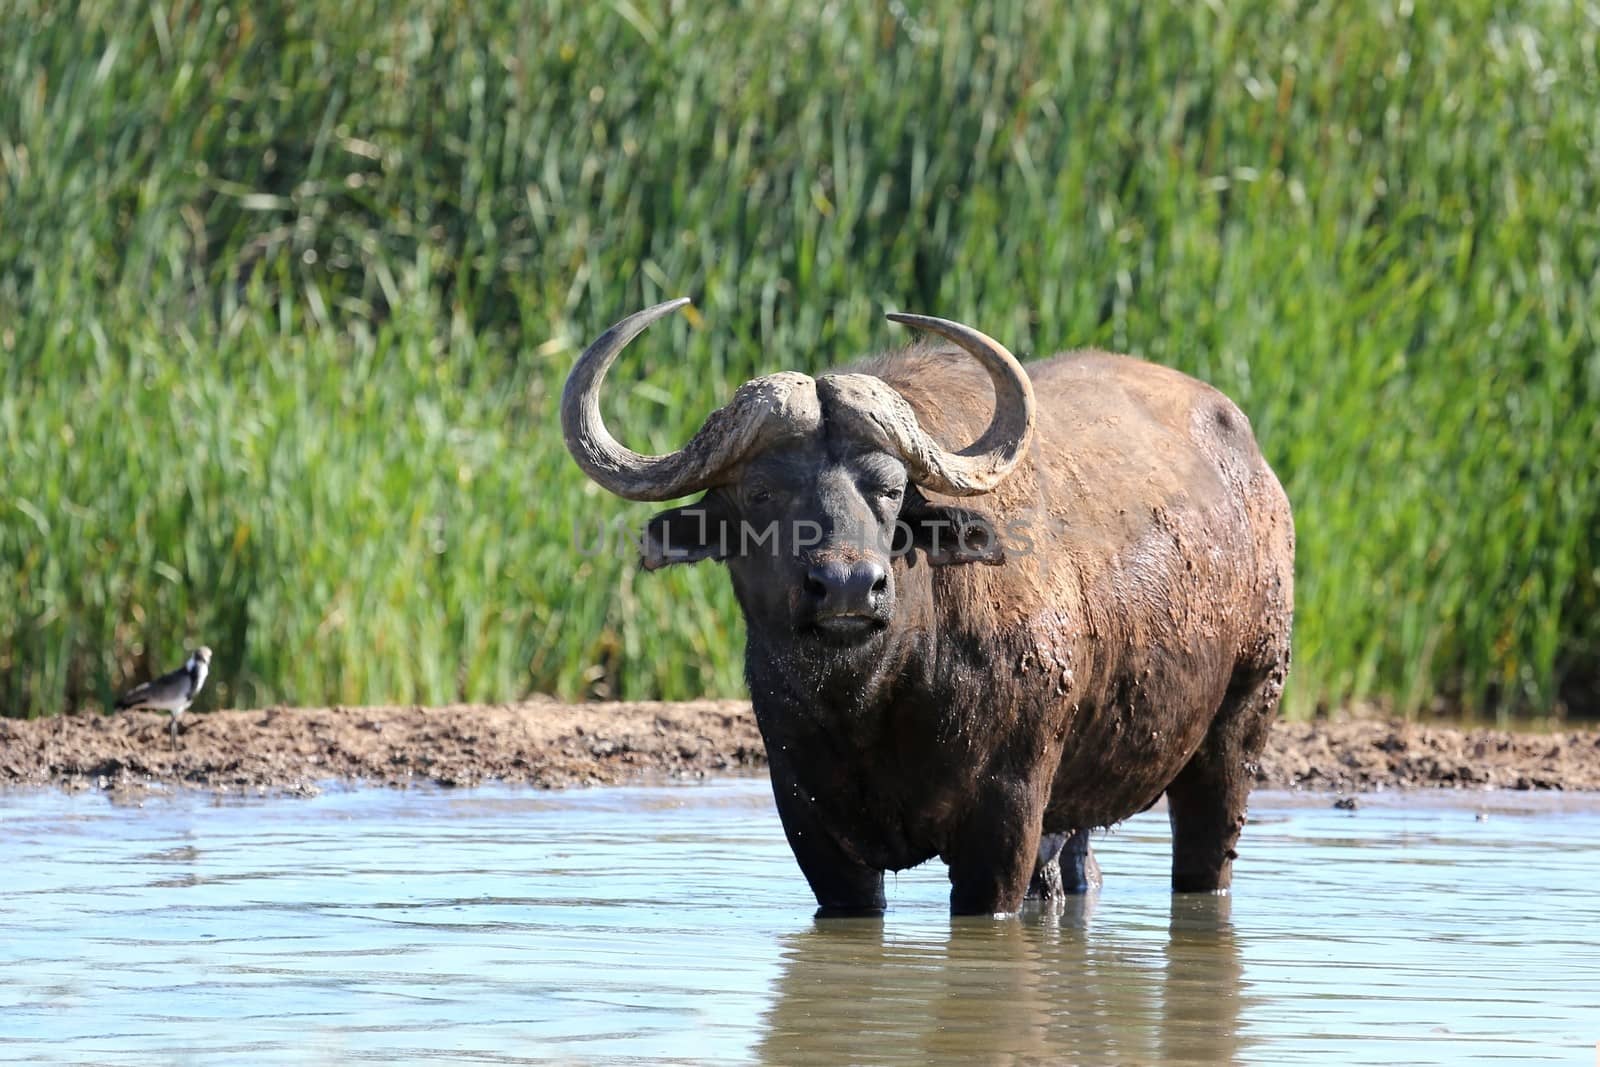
(1138, 646)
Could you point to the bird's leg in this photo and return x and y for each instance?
(172, 728)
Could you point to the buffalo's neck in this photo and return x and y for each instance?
(879, 740)
(844, 692)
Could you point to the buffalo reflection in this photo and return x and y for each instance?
(1042, 989)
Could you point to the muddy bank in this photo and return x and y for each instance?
(553, 745)
(1364, 755)
(541, 743)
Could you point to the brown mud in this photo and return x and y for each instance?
(553, 745)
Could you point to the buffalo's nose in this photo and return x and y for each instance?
(847, 587)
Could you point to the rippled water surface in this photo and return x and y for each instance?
(670, 923)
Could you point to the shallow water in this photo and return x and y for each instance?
(495, 925)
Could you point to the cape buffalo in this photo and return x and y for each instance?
(1110, 622)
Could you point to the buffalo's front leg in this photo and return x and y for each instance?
(995, 850)
(842, 885)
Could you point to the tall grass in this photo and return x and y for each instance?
(287, 296)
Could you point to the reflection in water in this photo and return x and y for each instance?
(979, 991)
(1202, 991)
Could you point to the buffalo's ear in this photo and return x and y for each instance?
(946, 534)
(686, 534)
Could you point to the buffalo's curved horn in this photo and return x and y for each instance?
(762, 409)
(873, 407)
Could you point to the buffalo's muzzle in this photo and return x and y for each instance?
(848, 597)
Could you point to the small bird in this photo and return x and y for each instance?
(171, 692)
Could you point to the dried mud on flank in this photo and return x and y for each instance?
(553, 745)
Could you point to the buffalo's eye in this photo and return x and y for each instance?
(759, 495)
(892, 495)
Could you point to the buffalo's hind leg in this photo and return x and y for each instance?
(1080, 871)
(1046, 881)
(1065, 867)
(1206, 802)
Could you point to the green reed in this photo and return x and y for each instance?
(287, 296)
